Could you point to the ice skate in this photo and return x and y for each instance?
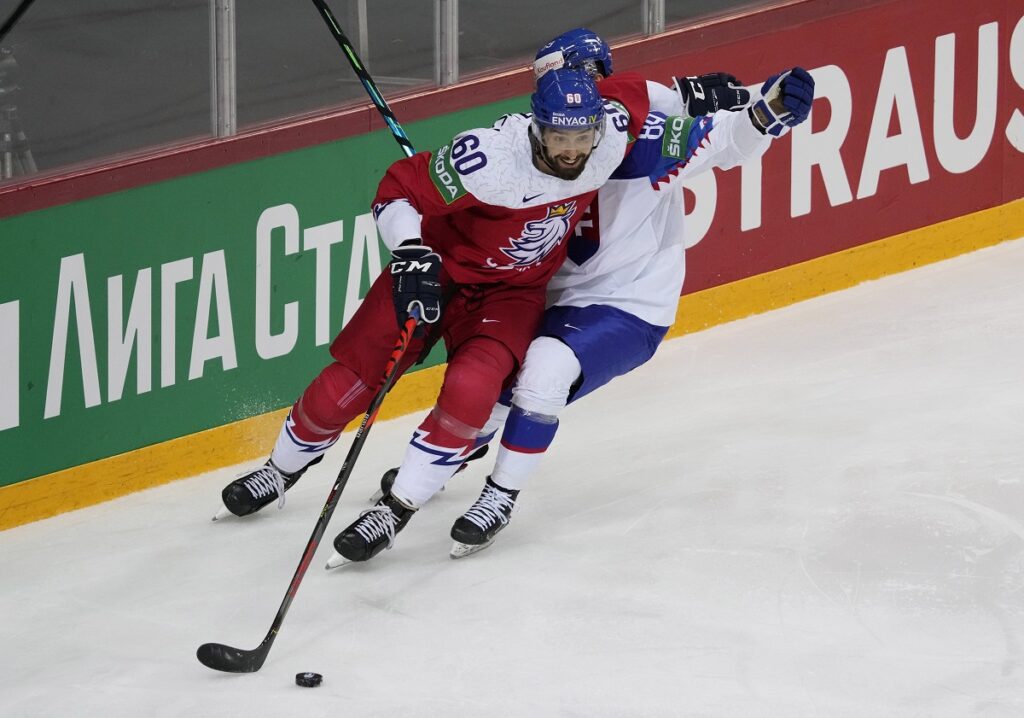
(371, 533)
(254, 489)
(475, 530)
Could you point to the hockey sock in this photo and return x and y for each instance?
(541, 392)
(438, 448)
(316, 420)
(442, 442)
(526, 437)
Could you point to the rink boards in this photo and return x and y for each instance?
(157, 318)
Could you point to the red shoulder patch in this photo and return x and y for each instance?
(629, 89)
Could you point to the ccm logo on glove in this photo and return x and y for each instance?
(416, 282)
(410, 266)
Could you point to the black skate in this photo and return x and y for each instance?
(371, 533)
(388, 479)
(476, 529)
(254, 489)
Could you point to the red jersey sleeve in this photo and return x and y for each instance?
(630, 90)
(427, 181)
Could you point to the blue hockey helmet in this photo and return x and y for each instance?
(567, 99)
(580, 48)
(568, 120)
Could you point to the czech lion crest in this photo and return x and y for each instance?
(540, 236)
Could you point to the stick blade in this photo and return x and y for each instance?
(230, 660)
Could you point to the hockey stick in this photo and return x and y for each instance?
(237, 660)
(18, 12)
(371, 87)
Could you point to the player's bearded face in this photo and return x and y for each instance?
(566, 151)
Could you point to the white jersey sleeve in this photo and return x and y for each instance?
(628, 253)
(725, 139)
(664, 99)
(397, 222)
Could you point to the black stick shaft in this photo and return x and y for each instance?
(15, 16)
(371, 87)
(346, 468)
(234, 660)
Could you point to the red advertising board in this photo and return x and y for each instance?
(918, 119)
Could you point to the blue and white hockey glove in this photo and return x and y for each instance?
(785, 102)
(705, 94)
(416, 282)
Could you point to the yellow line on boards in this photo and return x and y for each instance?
(250, 439)
(244, 440)
(833, 272)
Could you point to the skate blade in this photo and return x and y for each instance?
(335, 561)
(223, 513)
(461, 550)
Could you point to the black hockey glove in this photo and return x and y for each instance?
(416, 282)
(709, 93)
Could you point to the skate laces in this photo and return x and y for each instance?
(494, 505)
(266, 481)
(376, 522)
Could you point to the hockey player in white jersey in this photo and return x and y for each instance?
(614, 298)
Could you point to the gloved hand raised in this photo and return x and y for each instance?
(704, 94)
(785, 102)
(416, 281)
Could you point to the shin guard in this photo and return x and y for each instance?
(316, 420)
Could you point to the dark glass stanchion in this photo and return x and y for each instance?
(15, 154)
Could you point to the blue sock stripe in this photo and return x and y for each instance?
(445, 456)
(306, 446)
(523, 431)
(483, 439)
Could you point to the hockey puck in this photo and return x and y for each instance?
(308, 680)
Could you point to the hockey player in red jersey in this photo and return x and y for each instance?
(476, 229)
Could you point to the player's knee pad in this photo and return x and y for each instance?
(473, 380)
(443, 429)
(546, 377)
(331, 401)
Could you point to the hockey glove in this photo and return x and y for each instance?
(785, 102)
(416, 282)
(704, 94)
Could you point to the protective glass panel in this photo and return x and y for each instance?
(498, 33)
(678, 11)
(80, 81)
(290, 64)
(87, 82)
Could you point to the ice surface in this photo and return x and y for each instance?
(813, 512)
